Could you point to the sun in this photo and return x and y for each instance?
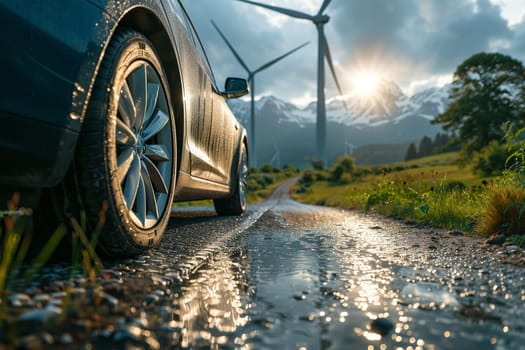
(365, 83)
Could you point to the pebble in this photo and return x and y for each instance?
(107, 299)
(496, 239)
(66, 339)
(132, 334)
(151, 299)
(39, 319)
(455, 233)
(381, 326)
(41, 298)
(30, 342)
(20, 300)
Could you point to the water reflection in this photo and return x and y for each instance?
(212, 305)
(312, 279)
(329, 281)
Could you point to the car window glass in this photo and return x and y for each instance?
(195, 37)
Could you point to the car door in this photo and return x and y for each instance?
(197, 92)
(224, 136)
(221, 124)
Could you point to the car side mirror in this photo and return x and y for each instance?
(235, 87)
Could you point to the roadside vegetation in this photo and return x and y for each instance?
(437, 190)
(478, 189)
(426, 190)
(21, 259)
(262, 181)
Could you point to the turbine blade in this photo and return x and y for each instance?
(328, 56)
(266, 65)
(323, 7)
(285, 11)
(237, 56)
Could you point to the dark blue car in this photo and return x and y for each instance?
(114, 102)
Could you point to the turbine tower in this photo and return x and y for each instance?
(276, 159)
(251, 79)
(319, 20)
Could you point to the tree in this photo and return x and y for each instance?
(440, 142)
(488, 89)
(425, 147)
(411, 152)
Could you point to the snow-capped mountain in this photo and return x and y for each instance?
(389, 104)
(387, 117)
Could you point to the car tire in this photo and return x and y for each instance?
(127, 152)
(236, 203)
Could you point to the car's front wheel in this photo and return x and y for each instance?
(127, 150)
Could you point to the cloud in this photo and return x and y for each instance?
(518, 41)
(256, 41)
(406, 40)
(427, 37)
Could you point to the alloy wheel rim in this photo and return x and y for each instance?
(144, 145)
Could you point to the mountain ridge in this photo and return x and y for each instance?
(387, 117)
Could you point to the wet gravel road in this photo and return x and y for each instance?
(283, 276)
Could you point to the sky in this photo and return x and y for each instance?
(414, 43)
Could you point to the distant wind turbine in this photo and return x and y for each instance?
(349, 147)
(319, 20)
(251, 79)
(276, 159)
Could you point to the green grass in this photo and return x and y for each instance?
(16, 241)
(18, 268)
(432, 190)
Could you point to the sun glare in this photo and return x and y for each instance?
(365, 83)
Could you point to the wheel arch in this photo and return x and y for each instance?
(147, 23)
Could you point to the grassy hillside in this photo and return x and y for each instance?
(433, 190)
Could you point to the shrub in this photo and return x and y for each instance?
(491, 159)
(254, 185)
(503, 211)
(453, 186)
(317, 164)
(346, 179)
(263, 179)
(343, 165)
(269, 169)
(308, 176)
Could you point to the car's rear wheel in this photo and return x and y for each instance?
(127, 150)
(236, 203)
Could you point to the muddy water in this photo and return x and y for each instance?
(284, 276)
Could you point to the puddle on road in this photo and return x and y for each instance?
(312, 289)
(313, 278)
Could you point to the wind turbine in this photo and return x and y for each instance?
(349, 147)
(276, 159)
(319, 20)
(251, 79)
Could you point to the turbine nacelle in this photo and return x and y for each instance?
(321, 19)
